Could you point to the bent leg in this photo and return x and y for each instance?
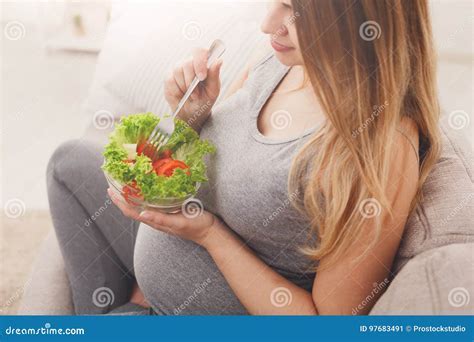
(96, 240)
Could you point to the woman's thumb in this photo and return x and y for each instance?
(213, 83)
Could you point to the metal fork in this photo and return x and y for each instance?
(165, 127)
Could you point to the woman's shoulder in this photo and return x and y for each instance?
(408, 133)
(404, 164)
(409, 126)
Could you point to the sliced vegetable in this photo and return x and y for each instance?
(140, 148)
(168, 168)
(166, 154)
(131, 191)
(131, 151)
(160, 162)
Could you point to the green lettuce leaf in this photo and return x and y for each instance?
(134, 128)
(192, 154)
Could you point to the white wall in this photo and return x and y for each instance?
(452, 27)
(41, 97)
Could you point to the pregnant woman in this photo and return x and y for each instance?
(322, 148)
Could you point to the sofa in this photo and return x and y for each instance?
(433, 272)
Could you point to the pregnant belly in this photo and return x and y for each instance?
(178, 277)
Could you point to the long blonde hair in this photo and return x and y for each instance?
(360, 56)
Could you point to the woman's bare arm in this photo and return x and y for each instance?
(349, 288)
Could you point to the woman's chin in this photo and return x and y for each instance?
(288, 58)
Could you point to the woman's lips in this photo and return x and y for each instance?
(280, 48)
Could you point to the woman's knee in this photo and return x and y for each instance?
(71, 157)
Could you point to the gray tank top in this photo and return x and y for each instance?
(249, 174)
(247, 189)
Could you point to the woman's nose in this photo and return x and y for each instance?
(274, 24)
(281, 31)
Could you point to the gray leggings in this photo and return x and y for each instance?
(96, 240)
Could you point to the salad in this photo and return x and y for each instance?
(177, 172)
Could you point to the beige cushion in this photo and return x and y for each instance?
(444, 216)
(437, 282)
(170, 33)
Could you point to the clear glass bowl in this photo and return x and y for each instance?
(166, 205)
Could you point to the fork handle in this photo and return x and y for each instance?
(215, 51)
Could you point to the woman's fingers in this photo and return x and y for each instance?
(178, 74)
(125, 208)
(211, 75)
(172, 221)
(213, 82)
(150, 223)
(172, 92)
(189, 73)
(156, 219)
(183, 75)
(200, 63)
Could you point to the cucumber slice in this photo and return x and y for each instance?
(131, 151)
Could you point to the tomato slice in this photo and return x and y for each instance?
(131, 191)
(142, 149)
(157, 164)
(168, 168)
(166, 154)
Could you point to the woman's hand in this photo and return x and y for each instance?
(195, 227)
(198, 107)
